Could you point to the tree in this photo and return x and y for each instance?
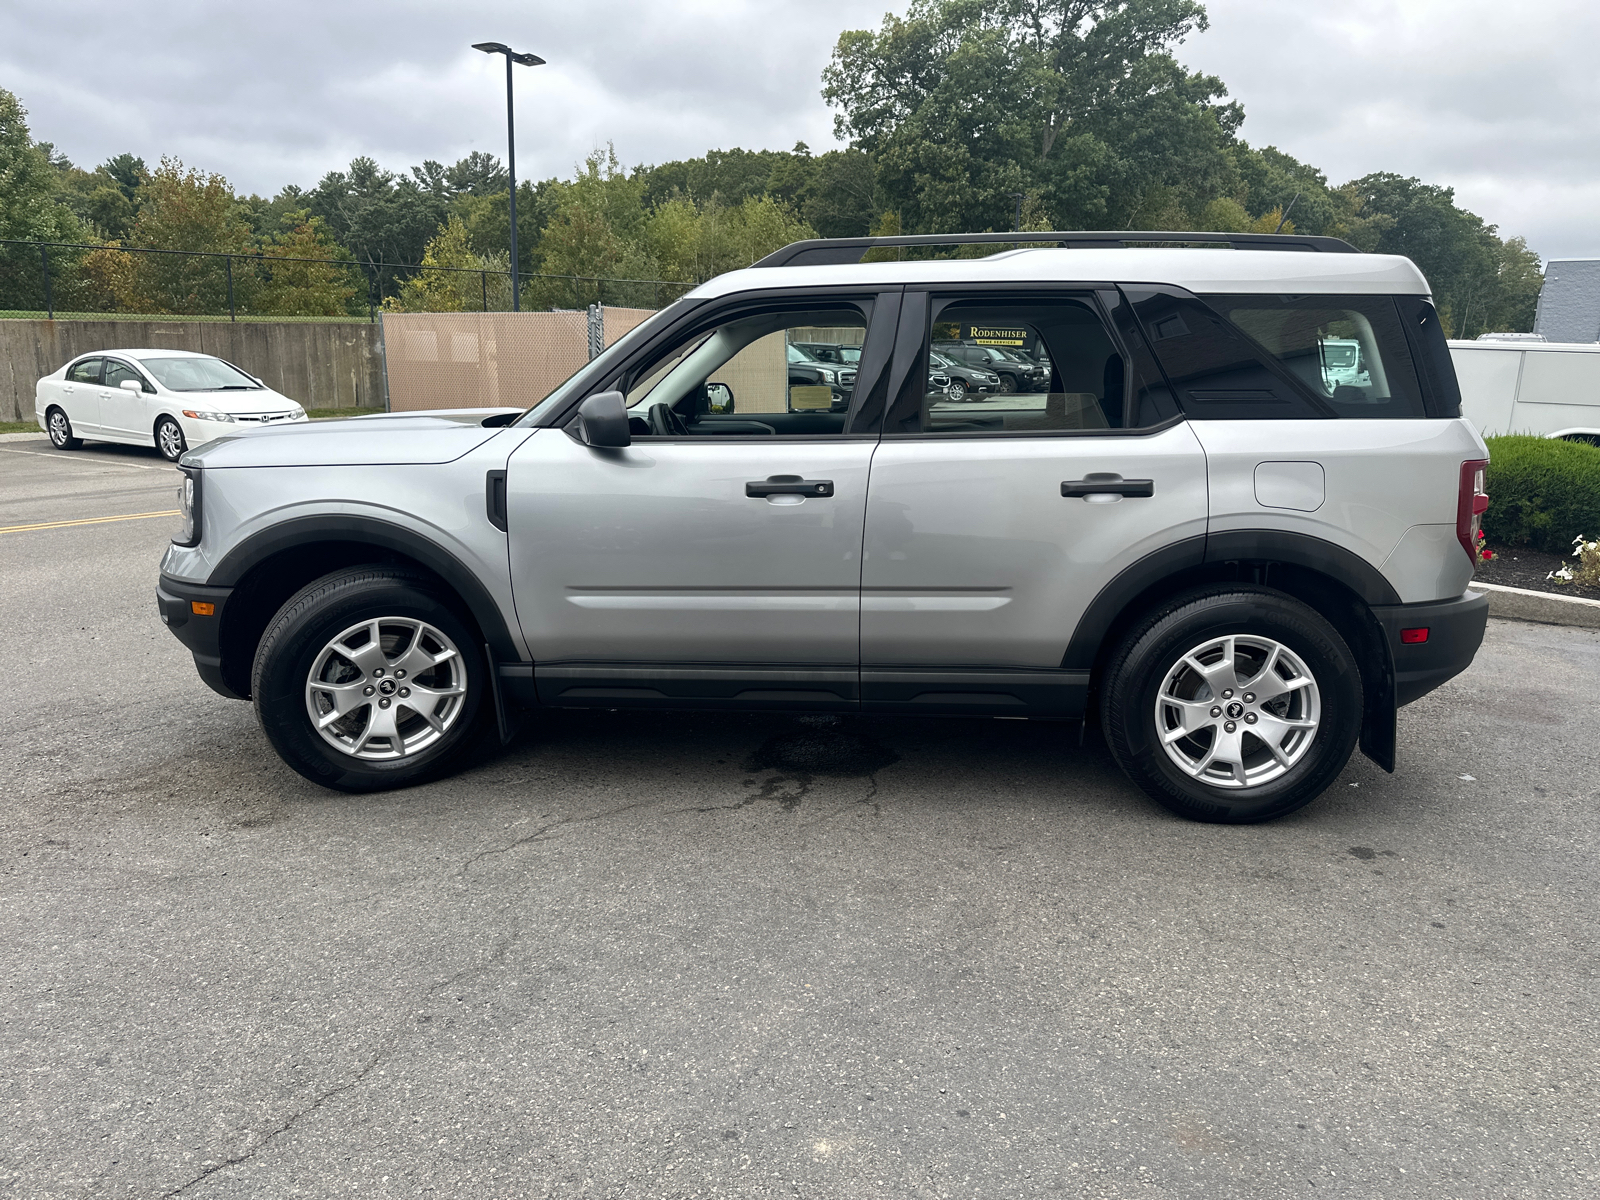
(293, 287)
(29, 210)
(183, 209)
(964, 103)
(459, 281)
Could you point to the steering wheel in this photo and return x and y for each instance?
(666, 423)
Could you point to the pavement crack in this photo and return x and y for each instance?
(289, 1123)
(540, 834)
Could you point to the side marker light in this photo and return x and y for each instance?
(201, 609)
(1408, 637)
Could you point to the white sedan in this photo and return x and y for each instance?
(169, 399)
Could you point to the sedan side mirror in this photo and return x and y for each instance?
(131, 385)
(602, 422)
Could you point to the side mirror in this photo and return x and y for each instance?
(131, 385)
(602, 422)
(719, 396)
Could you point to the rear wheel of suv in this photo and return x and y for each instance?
(1232, 704)
(368, 679)
(1008, 383)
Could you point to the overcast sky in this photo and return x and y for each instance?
(1500, 102)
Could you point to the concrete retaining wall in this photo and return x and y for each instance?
(320, 364)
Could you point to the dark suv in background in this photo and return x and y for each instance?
(1017, 374)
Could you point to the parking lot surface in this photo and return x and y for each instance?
(711, 955)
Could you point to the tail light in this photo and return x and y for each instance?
(1471, 503)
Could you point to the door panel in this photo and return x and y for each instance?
(124, 413)
(975, 559)
(655, 554)
(79, 395)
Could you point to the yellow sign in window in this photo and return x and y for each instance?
(809, 396)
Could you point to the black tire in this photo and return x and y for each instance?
(299, 637)
(59, 426)
(169, 439)
(1150, 662)
(1008, 384)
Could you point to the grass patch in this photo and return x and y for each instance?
(21, 427)
(334, 414)
(1543, 492)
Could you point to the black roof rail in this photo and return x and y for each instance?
(829, 251)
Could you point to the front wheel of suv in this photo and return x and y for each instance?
(368, 679)
(1232, 705)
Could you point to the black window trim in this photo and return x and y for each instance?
(1085, 292)
(712, 312)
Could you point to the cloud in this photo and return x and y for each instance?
(1495, 102)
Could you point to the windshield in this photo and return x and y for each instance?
(199, 375)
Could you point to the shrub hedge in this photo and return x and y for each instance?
(1542, 492)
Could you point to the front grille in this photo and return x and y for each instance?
(847, 379)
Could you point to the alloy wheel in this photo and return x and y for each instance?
(169, 440)
(60, 430)
(386, 688)
(1238, 711)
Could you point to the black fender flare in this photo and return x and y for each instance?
(342, 527)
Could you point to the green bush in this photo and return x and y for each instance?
(1543, 493)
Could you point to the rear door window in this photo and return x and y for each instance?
(1089, 384)
(87, 371)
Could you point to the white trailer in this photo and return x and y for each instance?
(1551, 389)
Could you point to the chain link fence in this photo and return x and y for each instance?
(67, 279)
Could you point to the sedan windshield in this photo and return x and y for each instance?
(198, 375)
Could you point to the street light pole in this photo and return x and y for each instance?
(527, 60)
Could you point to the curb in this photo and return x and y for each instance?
(1521, 604)
(37, 436)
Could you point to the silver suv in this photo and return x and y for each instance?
(1204, 534)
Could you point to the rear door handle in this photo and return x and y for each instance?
(788, 485)
(1106, 484)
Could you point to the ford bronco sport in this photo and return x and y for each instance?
(1205, 532)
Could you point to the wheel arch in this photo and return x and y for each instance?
(1337, 584)
(265, 570)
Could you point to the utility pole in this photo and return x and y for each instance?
(527, 60)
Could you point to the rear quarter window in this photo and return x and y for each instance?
(1266, 357)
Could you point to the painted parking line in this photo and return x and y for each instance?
(170, 512)
(87, 462)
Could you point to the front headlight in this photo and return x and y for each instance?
(188, 507)
(827, 375)
(203, 415)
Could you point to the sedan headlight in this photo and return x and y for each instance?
(188, 507)
(203, 415)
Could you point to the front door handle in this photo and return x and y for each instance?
(1107, 484)
(788, 485)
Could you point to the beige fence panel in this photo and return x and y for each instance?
(488, 360)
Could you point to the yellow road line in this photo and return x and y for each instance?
(171, 512)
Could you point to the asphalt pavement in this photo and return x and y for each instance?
(689, 955)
